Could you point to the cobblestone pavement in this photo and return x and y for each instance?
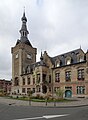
(76, 102)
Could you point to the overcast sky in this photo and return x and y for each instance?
(57, 26)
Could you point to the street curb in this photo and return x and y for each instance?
(50, 106)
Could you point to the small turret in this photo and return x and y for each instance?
(87, 55)
(41, 58)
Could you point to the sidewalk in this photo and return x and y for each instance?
(76, 103)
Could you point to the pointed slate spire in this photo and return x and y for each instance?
(24, 32)
(80, 46)
(24, 18)
(41, 58)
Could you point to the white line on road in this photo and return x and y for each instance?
(46, 117)
(30, 118)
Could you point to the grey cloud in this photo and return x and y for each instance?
(57, 26)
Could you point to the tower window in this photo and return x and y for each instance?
(16, 81)
(29, 56)
(16, 56)
(23, 33)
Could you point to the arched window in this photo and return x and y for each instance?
(16, 81)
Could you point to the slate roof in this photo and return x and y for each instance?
(73, 54)
(31, 67)
(24, 41)
(24, 38)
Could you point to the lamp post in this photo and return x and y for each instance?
(29, 97)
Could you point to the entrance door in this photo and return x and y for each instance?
(68, 93)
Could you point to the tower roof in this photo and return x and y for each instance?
(24, 18)
(24, 32)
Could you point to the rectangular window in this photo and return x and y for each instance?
(49, 78)
(81, 74)
(38, 78)
(33, 81)
(16, 82)
(44, 78)
(80, 89)
(68, 76)
(23, 90)
(23, 81)
(28, 90)
(38, 89)
(33, 90)
(49, 89)
(57, 77)
(28, 81)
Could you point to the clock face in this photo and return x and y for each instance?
(29, 56)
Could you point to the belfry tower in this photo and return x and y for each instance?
(23, 54)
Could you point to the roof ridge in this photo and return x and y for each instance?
(68, 52)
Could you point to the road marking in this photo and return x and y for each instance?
(30, 118)
(46, 117)
(53, 116)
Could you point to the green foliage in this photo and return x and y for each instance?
(60, 93)
(30, 93)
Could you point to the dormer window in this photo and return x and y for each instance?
(80, 59)
(57, 64)
(68, 62)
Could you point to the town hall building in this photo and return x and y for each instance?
(68, 71)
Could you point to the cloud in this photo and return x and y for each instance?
(57, 26)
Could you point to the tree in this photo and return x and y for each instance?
(60, 93)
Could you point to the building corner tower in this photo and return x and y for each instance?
(23, 54)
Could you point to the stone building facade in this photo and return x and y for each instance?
(5, 86)
(68, 71)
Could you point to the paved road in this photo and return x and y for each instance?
(16, 109)
(9, 112)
